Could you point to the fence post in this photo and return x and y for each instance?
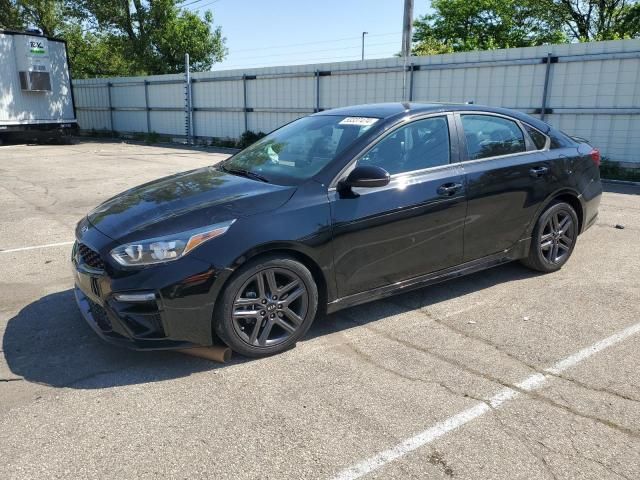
(411, 82)
(244, 102)
(317, 108)
(110, 108)
(545, 90)
(188, 106)
(146, 105)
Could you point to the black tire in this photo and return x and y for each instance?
(554, 238)
(243, 325)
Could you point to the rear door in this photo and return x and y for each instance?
(507, 177)
(410, 227)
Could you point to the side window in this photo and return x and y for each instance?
(421, 144)
(539, 139)
(489, 136)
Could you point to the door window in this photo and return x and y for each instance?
(489, 136)
(418, 145)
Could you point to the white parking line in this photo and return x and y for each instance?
(35, 247)
(529, 384)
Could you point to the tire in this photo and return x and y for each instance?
(251, 321)
(554, 238)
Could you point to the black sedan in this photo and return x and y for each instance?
(330, 211)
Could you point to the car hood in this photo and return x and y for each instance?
(185, 201)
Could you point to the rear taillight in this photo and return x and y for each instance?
(595, 156)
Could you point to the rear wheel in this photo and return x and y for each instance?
(267, 307)
(554, 238)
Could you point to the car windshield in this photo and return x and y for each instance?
(298, 150)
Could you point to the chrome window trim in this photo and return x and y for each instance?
(497, 157)
(401, 124)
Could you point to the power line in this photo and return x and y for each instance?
(199, 7)
(304, 52)
(314, 43)
(354, 57)
(191, 3)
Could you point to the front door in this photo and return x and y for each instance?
(411, 227)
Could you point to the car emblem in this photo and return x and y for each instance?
(84, 229)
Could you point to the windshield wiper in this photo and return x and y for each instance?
(243, 172)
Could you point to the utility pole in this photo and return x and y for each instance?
(363, 34)
(406, 28)
(407, 23)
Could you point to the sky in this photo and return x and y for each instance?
(286, 32)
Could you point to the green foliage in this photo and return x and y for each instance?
(587, 20)
(462, 25)
(613, 171)
(246, 139)
(10, 17)
(122, 37)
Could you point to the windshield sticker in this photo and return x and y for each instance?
(359, 121)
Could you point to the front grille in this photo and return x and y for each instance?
(100, 316)
(90, 257)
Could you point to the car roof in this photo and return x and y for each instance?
(398, 110)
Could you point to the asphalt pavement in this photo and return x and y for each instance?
(503, 374)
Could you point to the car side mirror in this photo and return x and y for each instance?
(365, 176)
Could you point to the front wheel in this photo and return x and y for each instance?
(268, 305)
(554, 238)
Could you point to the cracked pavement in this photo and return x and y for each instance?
(362, 381)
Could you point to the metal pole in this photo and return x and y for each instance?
(363, 34)
(244, 102)
(407, 23)
(411, 82)
(545, 90)
(146, 105)
(110, 108)
(317, 90)
(188, 118)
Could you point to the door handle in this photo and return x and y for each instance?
(449, 189)
(537, 172)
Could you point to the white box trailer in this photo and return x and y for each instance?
(36, 98)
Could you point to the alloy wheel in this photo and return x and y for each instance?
(557, 237)
(270, 307)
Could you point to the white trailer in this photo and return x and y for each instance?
(36, 99)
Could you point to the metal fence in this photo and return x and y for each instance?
(591, 90)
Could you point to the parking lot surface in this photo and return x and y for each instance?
(503, 374)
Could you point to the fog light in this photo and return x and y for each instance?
(135, 297)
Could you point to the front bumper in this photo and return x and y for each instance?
(111, 328)
(176, 313)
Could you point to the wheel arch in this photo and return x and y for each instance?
(571, 197)
(297, 252)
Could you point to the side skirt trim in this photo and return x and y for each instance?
(520, 250)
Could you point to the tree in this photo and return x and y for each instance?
(122, 37)
(10, 17)
(157, 34)
(586, 20)
(461, 25)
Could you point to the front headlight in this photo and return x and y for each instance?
(166, 249)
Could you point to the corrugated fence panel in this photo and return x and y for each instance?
(593, 92)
